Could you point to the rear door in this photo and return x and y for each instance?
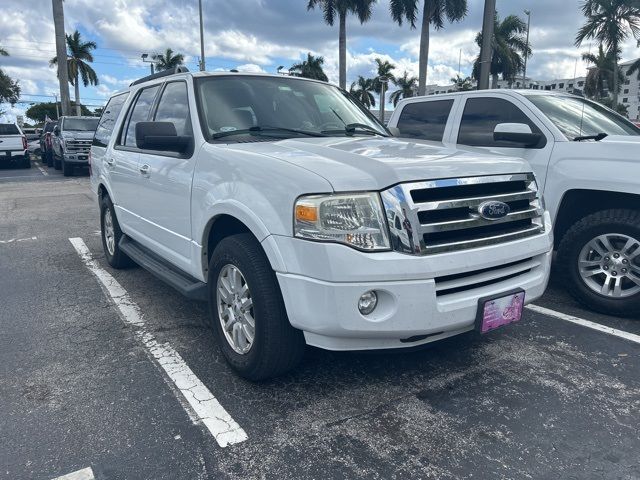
(477, 118)
(164, 183)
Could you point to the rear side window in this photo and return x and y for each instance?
(174, 107)
(108, 120)
(425, 120)
(139, 113)
(9, 129)
(480, 117)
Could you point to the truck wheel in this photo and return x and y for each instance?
(67, 169)
(26, 163)
(600, 259)
(57, 163)
(49, 155)
(111, 235)
(247, 311)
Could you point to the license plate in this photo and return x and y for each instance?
(500, 310)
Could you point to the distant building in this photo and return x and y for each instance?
(629, 94)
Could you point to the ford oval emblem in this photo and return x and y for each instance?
(494, 210)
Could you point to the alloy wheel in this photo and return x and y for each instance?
(235, 309)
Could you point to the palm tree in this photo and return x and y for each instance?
(434, 12)
(509, 48)
(600, 76)
(610, 22)
(634, 67)
(361, 89)
(407, 88)
(167, 60)
(61, 51)
(309, 68)
(341, 8)
(79, 53)
(385, 70)
(462, 84)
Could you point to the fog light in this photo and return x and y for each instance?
(368, 302)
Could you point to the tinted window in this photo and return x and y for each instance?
(49, 127)
(425, 120)
(174, 107)
(9, 129)
(480, 117)
(80, 124)
(107, 121)
(139, 113)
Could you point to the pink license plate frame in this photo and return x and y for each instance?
(499, 310)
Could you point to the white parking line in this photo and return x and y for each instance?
(585, 323)
(195, 397)
(42, 170)
(84, 474)
(11, 240)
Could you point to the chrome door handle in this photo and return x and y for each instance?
(110, 161)
(144, 169)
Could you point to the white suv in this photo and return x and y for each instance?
(587, 162)
(270, 197)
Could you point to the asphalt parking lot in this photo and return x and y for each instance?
(85, 389)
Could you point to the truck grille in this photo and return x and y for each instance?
(443, 215)
(78, 146)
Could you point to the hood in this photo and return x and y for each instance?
(629, 139)
(374, 163)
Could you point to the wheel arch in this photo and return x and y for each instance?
(578, 203)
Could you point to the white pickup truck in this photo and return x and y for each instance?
(587, 162)
(13, 146)
(289, 208)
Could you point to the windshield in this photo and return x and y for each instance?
(80, 124)
(254, 105)
(578, 117)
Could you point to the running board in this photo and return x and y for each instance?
(181, 281)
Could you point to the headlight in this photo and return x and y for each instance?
(353, 219)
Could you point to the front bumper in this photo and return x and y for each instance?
(417, 299)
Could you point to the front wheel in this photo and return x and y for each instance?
(49, 156)
(67, 168)
(111, 235)
(247, 311)
(600, 260)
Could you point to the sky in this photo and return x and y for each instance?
(260, 36)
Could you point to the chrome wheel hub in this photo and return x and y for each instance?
(235, 309)
(109, 234)
(610, 265)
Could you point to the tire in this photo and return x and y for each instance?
(67, 169)
(618, 264)
(49, 156)
(115, 256)
(43, 157)
(277, 347)
(57, 163)
(26, 163)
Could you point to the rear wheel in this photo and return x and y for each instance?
(247, 311)
(600, 259)
(26, 163)
(111, 235)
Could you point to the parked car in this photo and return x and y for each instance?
(72, 139)
(46, 143)
(33, 143)
(585, 157)
(13, 146)
(269, 197)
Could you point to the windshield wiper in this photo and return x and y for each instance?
(597, 137)
(351, 128)
(259, 130)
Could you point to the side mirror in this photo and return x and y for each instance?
(516, 133)
(161, 136)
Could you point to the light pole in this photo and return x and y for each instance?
(144, 59)
(383, 93)
(202, 66)
(487, 42)
(526, 51)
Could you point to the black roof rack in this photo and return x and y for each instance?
(164, 73)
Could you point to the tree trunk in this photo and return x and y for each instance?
(615, 78)
(424, 51)
(342, 47)
(77, 85)
(61, 55)
(494, 81)
(383, 100)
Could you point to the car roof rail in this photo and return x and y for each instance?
(164, 73)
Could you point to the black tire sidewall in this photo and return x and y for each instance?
(570, 248)
(118, 259)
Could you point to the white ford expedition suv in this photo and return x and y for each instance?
(286, 205)
(587, 162)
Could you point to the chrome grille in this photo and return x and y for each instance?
(78, 146)
(443, 215)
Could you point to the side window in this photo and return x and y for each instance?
(138, 113)
(174, 107)
(480, 117)
(108, 120)
(425, 120)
